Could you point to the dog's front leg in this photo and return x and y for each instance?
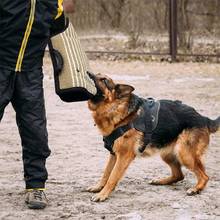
(122, 163)
(108, 169)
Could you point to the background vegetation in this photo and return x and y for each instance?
(143, 25)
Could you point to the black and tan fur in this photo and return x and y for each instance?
(110, 110)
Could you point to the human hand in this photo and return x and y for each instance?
(69, 6)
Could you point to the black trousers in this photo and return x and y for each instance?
(25, 91)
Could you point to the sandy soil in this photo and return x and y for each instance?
(78, 155)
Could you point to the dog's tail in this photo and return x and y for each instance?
(214, 125)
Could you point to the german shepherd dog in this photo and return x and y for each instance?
(181, 137)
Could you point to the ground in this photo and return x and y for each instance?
(78, 155)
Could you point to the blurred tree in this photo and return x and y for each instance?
(184, 27)
(113, 10)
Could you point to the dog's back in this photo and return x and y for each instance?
(174, 117)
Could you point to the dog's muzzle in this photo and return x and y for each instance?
(99, 95)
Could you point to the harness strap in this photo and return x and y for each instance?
(154, 108)
(146, 122)
(118, 132)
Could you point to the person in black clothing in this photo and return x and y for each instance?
(25, 28)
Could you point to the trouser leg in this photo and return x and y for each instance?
(28, 102)
(6, 88)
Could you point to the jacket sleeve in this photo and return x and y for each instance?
(55, 7)
(60, 22)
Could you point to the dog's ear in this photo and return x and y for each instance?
(123, 90)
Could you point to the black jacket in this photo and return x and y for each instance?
(24, 31)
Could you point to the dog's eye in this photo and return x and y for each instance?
(105, 81)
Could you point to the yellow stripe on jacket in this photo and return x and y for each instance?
(26, 37)
(59, 9)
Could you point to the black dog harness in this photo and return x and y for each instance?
(146, 122)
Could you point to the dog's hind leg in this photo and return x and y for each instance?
(108, 169)
(176, 172)
(122, 163)
(196, 166)
(202, 178)
(190, 150)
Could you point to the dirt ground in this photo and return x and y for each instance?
(78, 155)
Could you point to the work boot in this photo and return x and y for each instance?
(36, 199)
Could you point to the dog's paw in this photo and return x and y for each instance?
(99, 197)
(154, 182)
(94, 189)
(192, 191)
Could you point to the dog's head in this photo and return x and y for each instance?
(108, 91)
